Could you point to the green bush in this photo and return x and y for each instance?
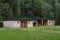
(1, 24)
(57, 22)
(34, 23)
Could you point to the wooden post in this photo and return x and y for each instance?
(42, 22)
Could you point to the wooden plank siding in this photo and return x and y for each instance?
(45, 22)
(25, 24)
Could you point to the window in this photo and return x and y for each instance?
(17, 21)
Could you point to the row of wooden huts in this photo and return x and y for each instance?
(27, 22)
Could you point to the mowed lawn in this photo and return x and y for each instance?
(36, 33)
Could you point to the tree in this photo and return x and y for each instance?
(5, 10)
(58, 14)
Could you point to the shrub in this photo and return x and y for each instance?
(1, 24)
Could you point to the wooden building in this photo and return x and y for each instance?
(45, 22)
(26, 23)
(17, 23)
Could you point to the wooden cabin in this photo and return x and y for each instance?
(45, 22)
(17, 23)
(26, 23)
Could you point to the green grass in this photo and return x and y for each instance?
(36, 33)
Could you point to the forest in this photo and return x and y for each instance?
(30, 9)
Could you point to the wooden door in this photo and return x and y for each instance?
(45, 22)
(25, 24)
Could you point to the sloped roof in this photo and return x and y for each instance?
(29, 19)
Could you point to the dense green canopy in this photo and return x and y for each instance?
(30, 9)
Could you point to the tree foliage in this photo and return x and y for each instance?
(29, 9)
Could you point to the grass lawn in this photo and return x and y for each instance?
(36, 33)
